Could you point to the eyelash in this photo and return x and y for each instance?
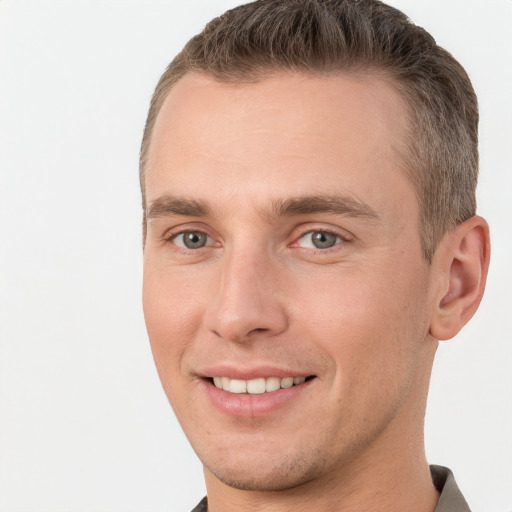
(341, 240)
(171, 238)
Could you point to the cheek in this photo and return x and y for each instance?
(173, 316)
(172, 319)
(372, 324)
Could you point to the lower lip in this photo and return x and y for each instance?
(246, 405)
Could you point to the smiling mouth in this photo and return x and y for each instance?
(257, 386)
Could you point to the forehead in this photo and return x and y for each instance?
(300, 132)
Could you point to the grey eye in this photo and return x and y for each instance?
(191, 239)
(323, 240)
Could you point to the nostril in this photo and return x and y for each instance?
(258, 329)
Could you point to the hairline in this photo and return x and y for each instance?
(404, 148)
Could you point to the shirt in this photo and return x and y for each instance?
(450, 499)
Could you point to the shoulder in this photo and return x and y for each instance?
(450, 499)
(202, 506)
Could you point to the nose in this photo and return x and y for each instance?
(247, 300)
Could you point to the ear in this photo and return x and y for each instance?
(460, 265)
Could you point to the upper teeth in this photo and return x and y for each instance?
(256, 386)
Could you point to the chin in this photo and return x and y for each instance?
(266, 473)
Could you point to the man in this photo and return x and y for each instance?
(308, 172)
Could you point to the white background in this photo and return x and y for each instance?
(84, 424)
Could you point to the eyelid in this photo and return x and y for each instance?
(344, 235)
(171, 234)
(208, 243)
(338, 241)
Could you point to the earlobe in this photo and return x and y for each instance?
(461, 263)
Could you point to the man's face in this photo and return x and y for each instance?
(282, 242)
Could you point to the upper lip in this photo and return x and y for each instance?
(247, 373)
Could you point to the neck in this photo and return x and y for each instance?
(387, 489)
(391, 476)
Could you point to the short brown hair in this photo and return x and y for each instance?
(326, 36)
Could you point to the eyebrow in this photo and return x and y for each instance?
(339, 205)
(168, 205)
(171, 205)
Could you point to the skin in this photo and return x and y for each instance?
(362, 316)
